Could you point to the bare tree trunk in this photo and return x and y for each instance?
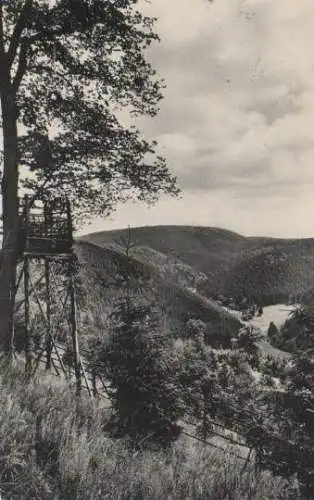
(9, 186)
(11, 52)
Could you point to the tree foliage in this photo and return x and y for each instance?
(286, 443)
(68, 66)
(296, 335)
(72, 72)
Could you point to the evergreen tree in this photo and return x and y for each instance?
(142, 373)
(247, 342)
(272, 332)
(197, 380)
(297, 334)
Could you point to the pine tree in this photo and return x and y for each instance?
(198, 380)
(142, 375)
(272, 332)
(247, 342)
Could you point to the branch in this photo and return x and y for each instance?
(22, 65)
(1, 32)
(18, 30)
(2, 51)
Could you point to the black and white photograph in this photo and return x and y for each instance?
(156, 250)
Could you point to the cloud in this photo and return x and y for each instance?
(239, 105)
(237, 121)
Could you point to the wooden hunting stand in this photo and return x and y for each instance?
(44, 300)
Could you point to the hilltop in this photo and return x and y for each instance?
(199, 247)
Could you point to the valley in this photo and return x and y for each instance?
(277, 314)
(225, 396)
(190, 269)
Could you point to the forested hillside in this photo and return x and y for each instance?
(217, 261)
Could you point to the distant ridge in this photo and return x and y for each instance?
(197, 227)
(267, 269)
(168, 226)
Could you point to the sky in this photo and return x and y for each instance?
(237, 121)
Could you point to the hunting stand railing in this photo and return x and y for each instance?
(45, 315)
